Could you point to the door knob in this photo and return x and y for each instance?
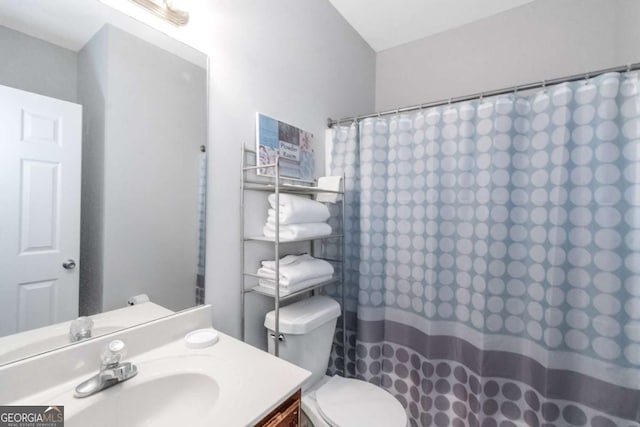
(69, 264)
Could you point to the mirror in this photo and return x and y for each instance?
(103, 127)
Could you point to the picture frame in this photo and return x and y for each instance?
(294, 147)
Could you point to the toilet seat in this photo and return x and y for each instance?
(354, 403)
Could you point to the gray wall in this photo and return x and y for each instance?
(37, 66)
(627, 48)
(92, 94)
(298, 61)
(153, 109)
(540, 40)
(156, 123)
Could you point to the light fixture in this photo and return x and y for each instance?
(178, 5)
(174, 11)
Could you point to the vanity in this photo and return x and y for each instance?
(228, 383)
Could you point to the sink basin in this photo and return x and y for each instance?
(172, 400)
(169, 390)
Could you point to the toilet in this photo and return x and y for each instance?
(307, 328)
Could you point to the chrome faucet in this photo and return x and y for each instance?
(80, 329)
(111, 372)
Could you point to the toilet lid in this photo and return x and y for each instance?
(355, 403)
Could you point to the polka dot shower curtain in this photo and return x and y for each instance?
(493, 257)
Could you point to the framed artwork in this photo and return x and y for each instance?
(294, 146)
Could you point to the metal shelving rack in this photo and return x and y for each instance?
(277, 185)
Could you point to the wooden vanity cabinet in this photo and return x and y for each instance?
(285, 415)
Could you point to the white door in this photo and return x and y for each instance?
(40, 154)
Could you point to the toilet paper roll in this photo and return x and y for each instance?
(138, 299)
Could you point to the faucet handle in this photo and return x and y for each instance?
(80, 329)
(113, 353)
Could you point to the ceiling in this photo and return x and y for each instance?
(388, 23)
(382, 23)
(72, 23)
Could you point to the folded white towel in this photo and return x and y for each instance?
(295, 269)
(288, 261)
(271, 217)
(332, 183)
(284, 290)
(271, 220)
(297, 210)
(298, 231)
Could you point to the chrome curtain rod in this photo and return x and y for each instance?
(536, 85)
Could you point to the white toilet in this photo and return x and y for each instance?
(308, 327)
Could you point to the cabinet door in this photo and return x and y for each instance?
(286, 415)
(289, 418)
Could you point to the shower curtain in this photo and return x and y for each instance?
(493, 257)
(202, 228)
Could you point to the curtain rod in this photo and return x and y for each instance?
(536, 85)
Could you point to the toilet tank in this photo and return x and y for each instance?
(308, 328)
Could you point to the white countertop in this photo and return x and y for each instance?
(250, 383)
